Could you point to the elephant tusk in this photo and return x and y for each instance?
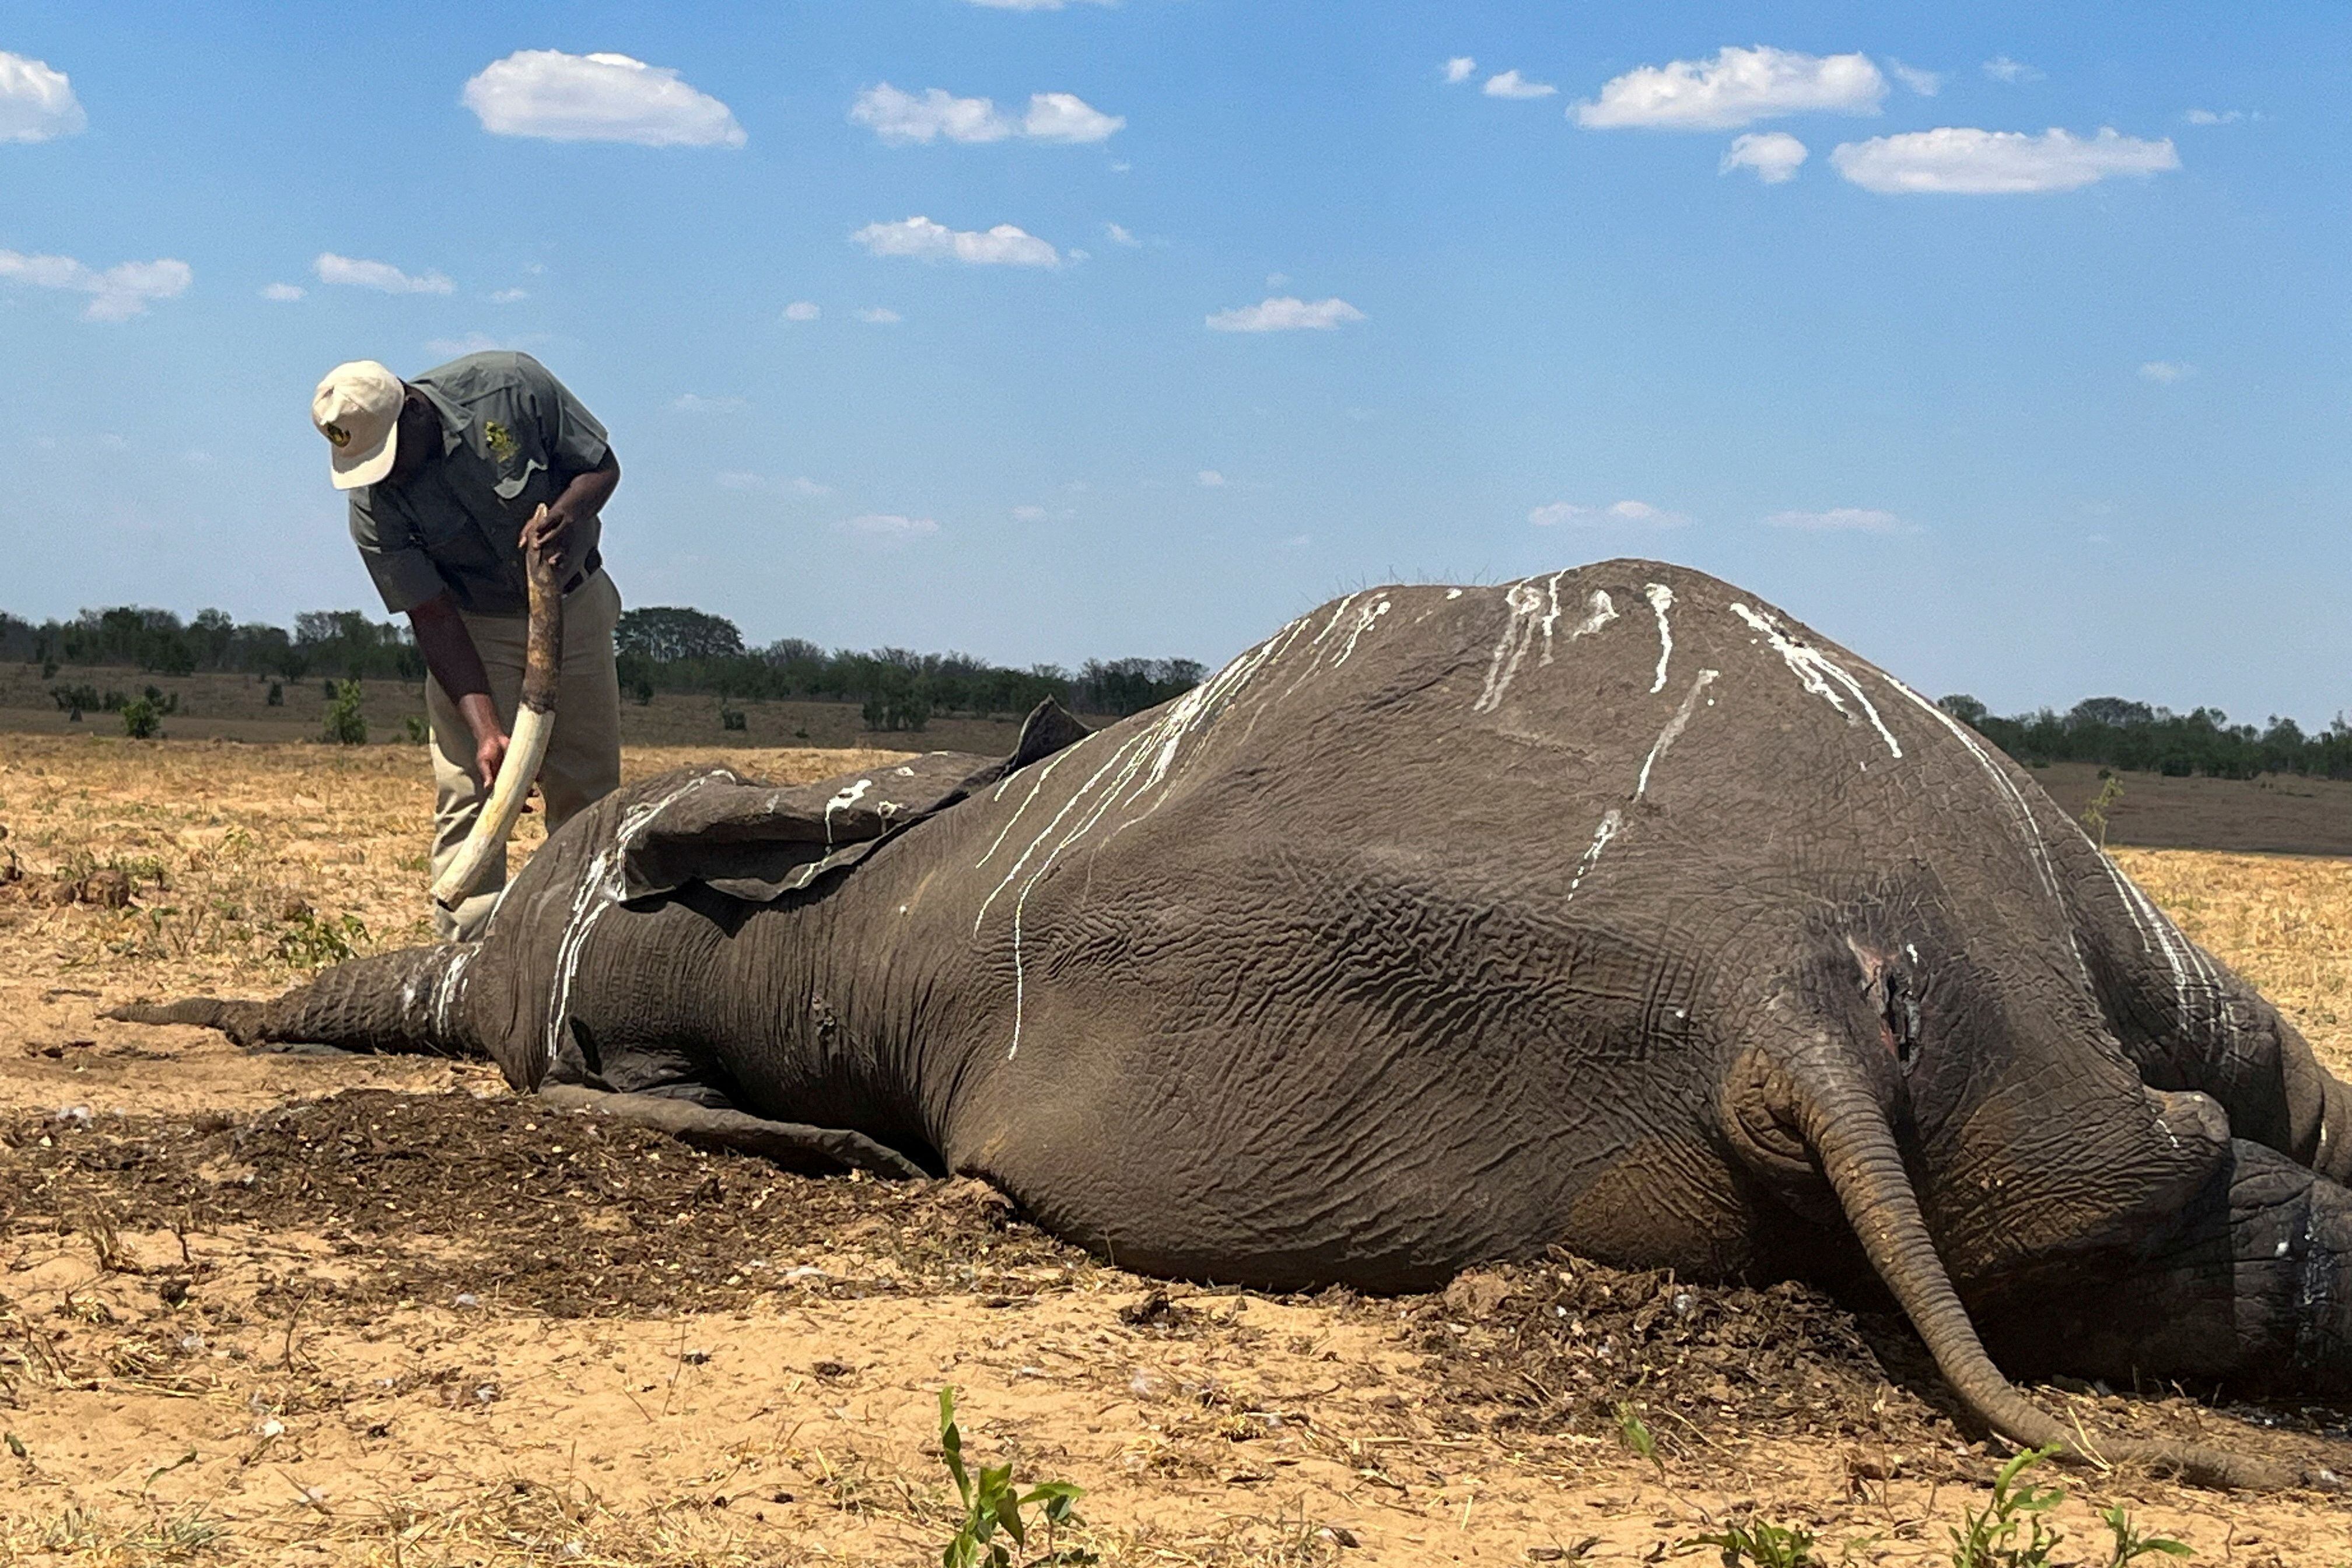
(527, 748)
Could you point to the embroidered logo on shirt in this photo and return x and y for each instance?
(501, 440)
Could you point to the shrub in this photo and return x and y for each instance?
(731, 717)
(346, 725)
(277, 698)
(141, 720)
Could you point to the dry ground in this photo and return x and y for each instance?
(217, 706)
(341, 1310)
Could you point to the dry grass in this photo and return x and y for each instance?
(247, 864)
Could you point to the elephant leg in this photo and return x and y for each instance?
(2188, 1023)
(792, 1144)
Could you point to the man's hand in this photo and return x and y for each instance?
(549, 531)
(489, 750)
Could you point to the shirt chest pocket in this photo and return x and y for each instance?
(517, 475)
(517, 461)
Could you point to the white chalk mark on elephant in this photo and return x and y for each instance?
(850, 795)
(1822, 676)
(1661, 599)
(1034, 785)
(1610, 821)
(1674, 727)
(2167, 938)
(450, 989)
(604, 886)
(1365, 619)
(1511, 648)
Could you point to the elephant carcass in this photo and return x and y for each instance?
(1611, 909)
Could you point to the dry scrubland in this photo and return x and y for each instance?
(336, 1309)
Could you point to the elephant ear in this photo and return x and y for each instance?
(759, 842)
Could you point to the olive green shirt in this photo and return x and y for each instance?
(512, 437)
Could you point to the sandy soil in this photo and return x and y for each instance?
(328, 1309)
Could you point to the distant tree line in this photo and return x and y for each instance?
(672, 648)
(343, 643)
(2117, 733)
(662, 648)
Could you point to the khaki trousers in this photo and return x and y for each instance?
(583, 756)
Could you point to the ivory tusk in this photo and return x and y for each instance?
(526, 748)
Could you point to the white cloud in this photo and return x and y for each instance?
(1278, 280)
(1210, 479)
(2165, 372)
(1925, 83)
(359, 274)
(36, 102)
(802, 311)
(2000, 67)
(903, 117)
(1458, 69)
(1775, 155)
(1286, 314)
(1511, 84)
(919, 236)
(558, 97)
(695, 403)
(890, 528)
(879, 316)
(1066, 117)
(1119, 234)
(1841, 519)
(1997, 163)
(283, 293)
(1738, 86)
(508, 296)
(2209, 116)
(1029, 514)
(1634, 513)
(117, 294)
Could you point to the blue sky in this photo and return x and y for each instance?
(2070, 418)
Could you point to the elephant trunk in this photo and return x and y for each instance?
(409, 1001)
(1851, 1136)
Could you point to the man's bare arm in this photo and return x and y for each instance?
(585, 497)
(450, 654)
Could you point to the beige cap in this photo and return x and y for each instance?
(357, 409)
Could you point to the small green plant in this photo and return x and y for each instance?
(2130, 1545)
(1636, 1437)
(992, 1505)
(1988, 1536)
(2095, 815)
(346, 724)
(312, 943)
(1761, 1542)
(417, 730)
(141, 720)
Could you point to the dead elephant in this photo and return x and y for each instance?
(1611, 910)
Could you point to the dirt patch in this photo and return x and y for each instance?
(515, 1204)
(2277, 814)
